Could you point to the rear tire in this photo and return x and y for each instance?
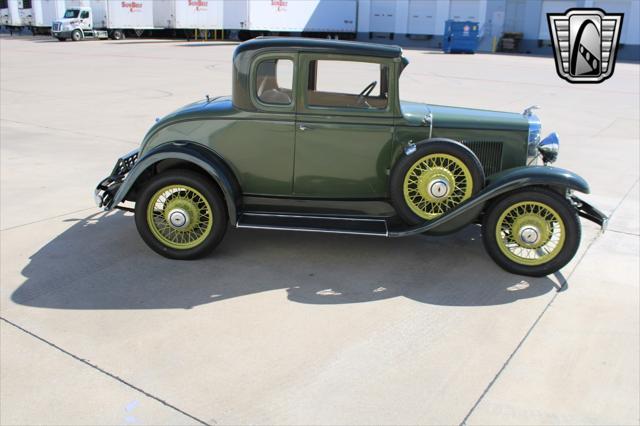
(117, 35)
(181, 215)
(535, 232)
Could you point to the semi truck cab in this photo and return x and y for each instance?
(76, 24)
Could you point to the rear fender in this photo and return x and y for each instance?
(198, 155)
(500, 184)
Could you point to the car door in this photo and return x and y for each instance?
(261, 142)
(343, 141)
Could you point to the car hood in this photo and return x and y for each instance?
(67, 20)
(462, 118)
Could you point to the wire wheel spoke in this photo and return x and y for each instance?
(442, 169)
(538, 219)
(191, 205)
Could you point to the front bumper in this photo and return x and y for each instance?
(62, 34)
(589, 212)
(108, 187)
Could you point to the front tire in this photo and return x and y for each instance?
(76, 35)
(61, 39)
(535, 232)
(181, 215)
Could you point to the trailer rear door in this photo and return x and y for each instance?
(131, 14)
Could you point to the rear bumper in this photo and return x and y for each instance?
(589, 212)
(108, 187)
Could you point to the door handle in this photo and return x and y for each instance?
(303, 127)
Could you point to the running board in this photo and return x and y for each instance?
(306, 223)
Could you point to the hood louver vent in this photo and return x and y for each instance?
(489, 153)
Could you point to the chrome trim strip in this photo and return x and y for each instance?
(428, 119)
(238, 224)
(322, 231)
(302, 216)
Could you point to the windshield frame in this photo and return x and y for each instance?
(77, 13)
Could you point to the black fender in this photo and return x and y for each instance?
(500, 184)
(196, 154)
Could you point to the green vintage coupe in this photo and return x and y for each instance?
(299, 147)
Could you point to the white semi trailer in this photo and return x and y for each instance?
(25, 12)
(188, 14)
(10, 14)
(255, 17)
(101, 18)
(44, 12)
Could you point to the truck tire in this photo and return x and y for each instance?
(61, 39)
(76, 35)
(117, 35)
(438, 176)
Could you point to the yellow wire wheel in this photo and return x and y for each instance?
(436, 183)
(179, 216)
(530, 233)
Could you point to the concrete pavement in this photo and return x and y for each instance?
(287, 328)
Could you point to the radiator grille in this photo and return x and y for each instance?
(489, 153)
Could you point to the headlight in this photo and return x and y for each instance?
(549, 147)
(534, 138)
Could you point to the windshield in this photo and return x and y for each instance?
(71, 13)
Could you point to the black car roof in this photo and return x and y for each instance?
(323, 45)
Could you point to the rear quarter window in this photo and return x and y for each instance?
(274, 81)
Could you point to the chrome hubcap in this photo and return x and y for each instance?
(438, 188)
(530, 234)
(178, 218)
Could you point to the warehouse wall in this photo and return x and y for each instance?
(398, 20)
(536, 40)
(387, 21)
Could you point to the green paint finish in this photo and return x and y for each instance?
(342, 153)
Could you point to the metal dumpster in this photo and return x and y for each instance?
(460, 36)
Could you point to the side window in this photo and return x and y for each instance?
(368, 87)
(274, 81)
(84, 14)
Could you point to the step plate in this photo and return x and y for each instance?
(306, 223)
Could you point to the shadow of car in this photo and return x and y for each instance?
(101, 263)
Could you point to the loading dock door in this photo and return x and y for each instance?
(383, 16)
(466, 10)
(551, 6)
(621, 6)
(422, 17)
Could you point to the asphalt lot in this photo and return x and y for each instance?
(288, 328)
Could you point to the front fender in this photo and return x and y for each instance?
(198, 155)
(540, 175)
(499, 184)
